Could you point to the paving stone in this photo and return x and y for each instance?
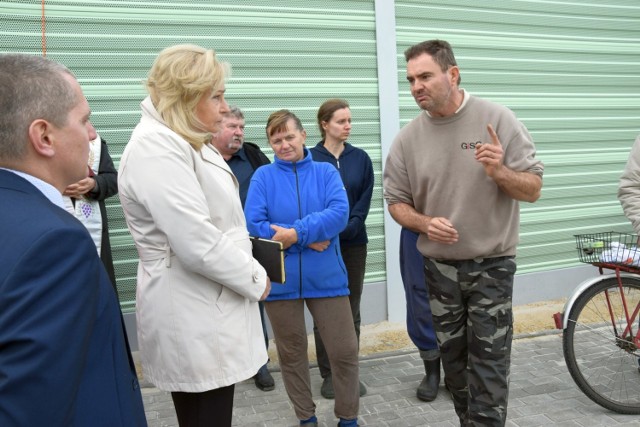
(542, 393)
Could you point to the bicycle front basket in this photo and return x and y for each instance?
(609, 247)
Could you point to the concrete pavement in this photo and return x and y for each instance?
(542, 393)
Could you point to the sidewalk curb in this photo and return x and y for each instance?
(375, 356)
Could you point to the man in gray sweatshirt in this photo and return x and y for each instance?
(629, 187)
(629, 191)
(455, 174)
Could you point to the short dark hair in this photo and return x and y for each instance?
(439, 50)
(31, 88)
(277, 122)
(326, 110)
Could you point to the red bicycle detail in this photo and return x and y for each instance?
(601, 331)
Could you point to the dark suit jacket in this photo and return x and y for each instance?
(64, 359)
(255, 156)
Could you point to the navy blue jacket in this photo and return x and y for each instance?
(356, 171)
(64, 358)
(309, 197)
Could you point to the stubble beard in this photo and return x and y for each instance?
(433, 106)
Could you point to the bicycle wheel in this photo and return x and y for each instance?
(603, 365)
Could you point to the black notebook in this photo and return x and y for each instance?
(270, 255)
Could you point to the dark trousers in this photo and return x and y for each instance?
(263, 316)
(213, 408)
(355, 260)
(472, 313)
(419, 322)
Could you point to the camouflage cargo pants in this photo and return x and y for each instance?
(472, 314)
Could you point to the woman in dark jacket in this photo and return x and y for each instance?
(356, 171)
(97, 187)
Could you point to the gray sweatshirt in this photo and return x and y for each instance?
(629, 188)
(431, 166)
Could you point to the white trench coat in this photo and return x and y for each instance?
(198, 320)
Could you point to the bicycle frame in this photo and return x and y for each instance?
(630, 320)
(590, 282)
(600, 330)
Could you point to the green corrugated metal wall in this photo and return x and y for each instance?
(570, 71)
(284, 54)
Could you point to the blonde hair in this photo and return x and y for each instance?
(179, 77)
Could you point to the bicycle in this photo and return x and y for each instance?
(600, 322)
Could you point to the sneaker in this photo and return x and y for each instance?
(310, 422)
(264, 380)
(327, 388)
(348, 423)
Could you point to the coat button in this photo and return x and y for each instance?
(135, 384)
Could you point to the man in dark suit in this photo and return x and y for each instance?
(64, 358)
(244, 158)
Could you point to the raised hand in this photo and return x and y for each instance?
(490, 155)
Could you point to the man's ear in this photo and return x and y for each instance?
(455, 74)
(40, 137)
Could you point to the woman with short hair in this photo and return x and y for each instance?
(302, 204)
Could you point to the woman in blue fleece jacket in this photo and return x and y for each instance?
(303, 204)
(356, 171)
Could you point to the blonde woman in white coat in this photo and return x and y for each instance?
(198, 286)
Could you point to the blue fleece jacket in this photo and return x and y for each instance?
(309, 197)
(356, 171)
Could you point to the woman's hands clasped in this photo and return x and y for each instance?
(288, 236)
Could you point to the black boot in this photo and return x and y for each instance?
(264, 380)
(428, 388)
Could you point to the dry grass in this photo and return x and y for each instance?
(536, 317)
(387, 336)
